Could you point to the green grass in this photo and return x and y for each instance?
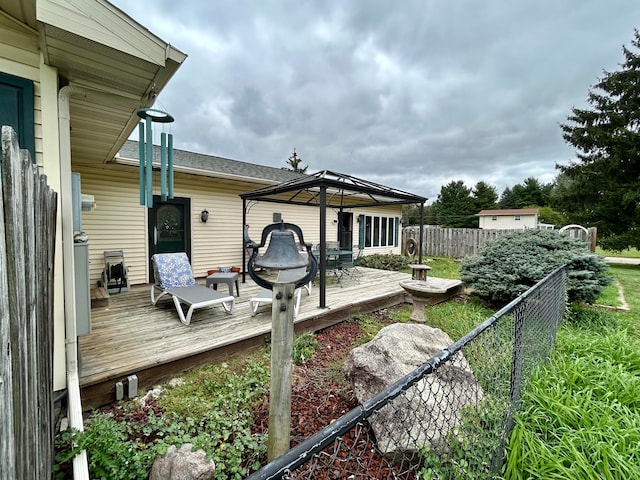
(443, 267)
(628, 253)
(581, 415)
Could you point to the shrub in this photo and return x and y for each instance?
(510, 265)
(386, 261)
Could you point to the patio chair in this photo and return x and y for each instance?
(173, 276)
(350, 265)
(284, 276)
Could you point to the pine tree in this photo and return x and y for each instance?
(485, 196)
(294, 163)
(605, 180)
(455, 206)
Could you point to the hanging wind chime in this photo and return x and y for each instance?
(145, 131)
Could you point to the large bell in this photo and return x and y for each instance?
(282, 253)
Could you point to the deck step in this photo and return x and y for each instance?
(99, 297)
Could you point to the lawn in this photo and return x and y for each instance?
(628, 253)
(580, 419)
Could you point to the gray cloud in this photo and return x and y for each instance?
(411, 94)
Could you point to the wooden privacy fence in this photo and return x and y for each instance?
(461, 242)
(27, 243)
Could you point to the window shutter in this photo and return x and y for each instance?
(16, 98)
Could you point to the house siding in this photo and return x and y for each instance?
(508, 222)
(119, 223)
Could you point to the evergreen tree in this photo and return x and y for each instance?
(530, 193)
(605, 188)
(485, 196)
(506, 199)
(455, 206)
(294, 163)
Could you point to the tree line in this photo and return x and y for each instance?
(601, 188)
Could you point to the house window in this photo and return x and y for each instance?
(383, 232)
(16, 98)
(517, 218)
(379, 231)
(494, 218)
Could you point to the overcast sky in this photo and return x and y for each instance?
(410, 94)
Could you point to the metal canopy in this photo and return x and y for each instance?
(342, 191)
(334, 190)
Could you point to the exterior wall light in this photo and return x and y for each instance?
(204, 216)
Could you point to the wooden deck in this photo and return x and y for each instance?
(131, 336)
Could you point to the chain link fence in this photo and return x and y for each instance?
(448, 419)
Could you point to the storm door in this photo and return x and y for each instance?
(169, 227)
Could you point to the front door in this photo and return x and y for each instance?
(345, 230)
(169, 227)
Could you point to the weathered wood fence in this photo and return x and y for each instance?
(461, 242)
(27, 243)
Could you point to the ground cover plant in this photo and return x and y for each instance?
(509, 265)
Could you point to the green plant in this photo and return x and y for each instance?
(386, 261)
(580, 416)
(473, 447)
(112, 450)
(509, 265)
(304, 347)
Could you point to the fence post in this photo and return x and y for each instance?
(516, 366)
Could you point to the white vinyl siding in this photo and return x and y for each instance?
(507, 222)
(119, 223)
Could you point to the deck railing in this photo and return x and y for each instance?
(501, 352)
(27, 242)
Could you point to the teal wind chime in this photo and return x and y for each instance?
(145, 131)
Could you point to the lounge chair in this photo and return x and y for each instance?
(173, 276)
(284, 276)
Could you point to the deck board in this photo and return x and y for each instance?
(132, 336)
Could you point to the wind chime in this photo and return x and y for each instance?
(145, 154)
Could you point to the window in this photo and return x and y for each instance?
(16, 98)
(380, 231)
(517, 218)
(376, 231)
(494, 218)
(383, 232)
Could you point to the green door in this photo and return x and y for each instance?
(169, 227)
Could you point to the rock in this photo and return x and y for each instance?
(183, 464)
(426, 413)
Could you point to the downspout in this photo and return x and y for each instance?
(80, 465)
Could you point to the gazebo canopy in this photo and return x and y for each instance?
(334, 190)
(341, 191)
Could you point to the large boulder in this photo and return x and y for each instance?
(183, 464)
(424, 414)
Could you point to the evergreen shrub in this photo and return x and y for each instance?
(509, 265)
(386, 261)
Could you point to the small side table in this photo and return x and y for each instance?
(229, 278)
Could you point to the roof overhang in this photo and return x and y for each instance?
(96, 46)
(341, 191)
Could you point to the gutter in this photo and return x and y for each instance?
(80, 464)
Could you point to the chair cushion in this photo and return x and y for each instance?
(172, 270)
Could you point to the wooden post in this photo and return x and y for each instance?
(278, 440)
